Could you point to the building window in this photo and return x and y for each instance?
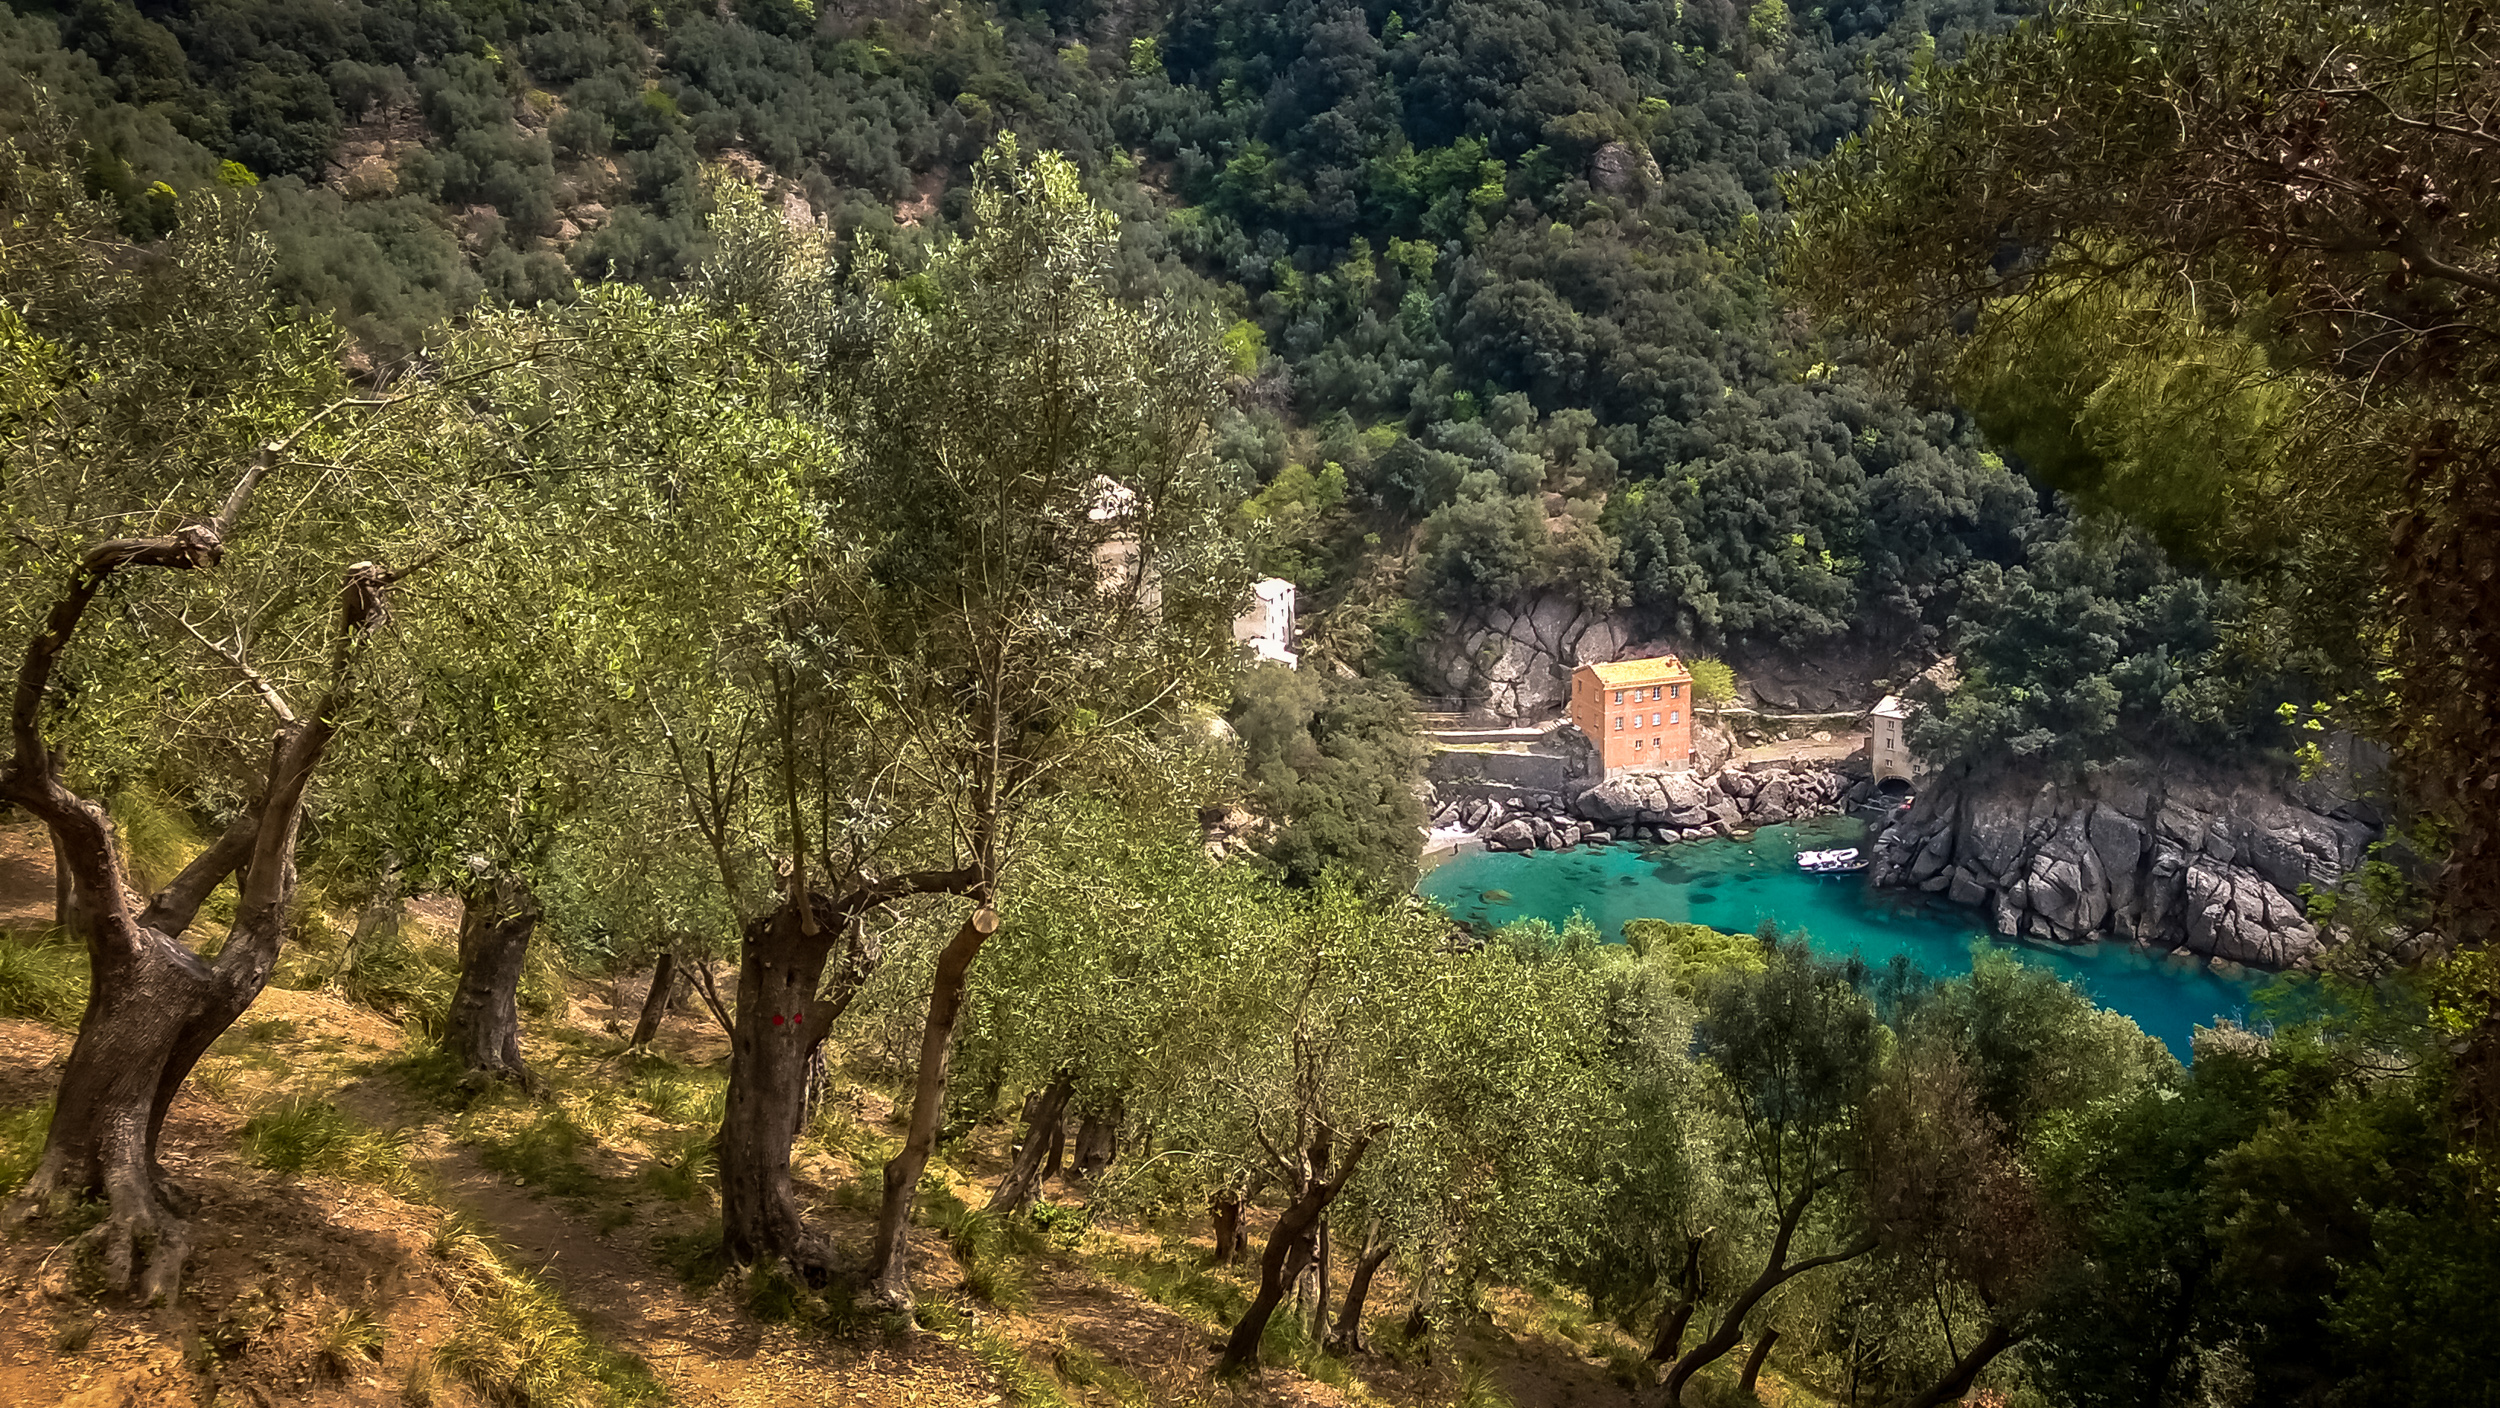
(1675, 716)
(1653, 721)
(1619, 726)
(1636, 745)
(1618, 696)
(1675, 691)
(1658, 744)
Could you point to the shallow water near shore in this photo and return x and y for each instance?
(1739, 884)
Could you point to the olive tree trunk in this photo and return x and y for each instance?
(1224, 1210)
(780, 1021)
(784, 1008)
(1348, 1340)
(1777, 1270)
(498, 917)
(1097, 1141)
(2003, 1334)
(1042, 1123)
(655, 1003)
(1677, 1315)
(890, 1260)
(1753, 1362)
(153, 1005)
(1290, 1248)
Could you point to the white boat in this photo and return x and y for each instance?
(1840, 862)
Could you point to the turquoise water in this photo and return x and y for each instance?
(1738, 884)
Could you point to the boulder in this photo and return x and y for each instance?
(1770, 804)
(1512, 835)
(1617, 799)
(1932, 857)
(1681, 791)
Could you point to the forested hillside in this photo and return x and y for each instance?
(1496, 270)
(628, 780)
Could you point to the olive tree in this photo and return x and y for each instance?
(254, 513)
(1041, 580)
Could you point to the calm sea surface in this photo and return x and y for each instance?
(1738, 884)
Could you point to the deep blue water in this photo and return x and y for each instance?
(1738, 884)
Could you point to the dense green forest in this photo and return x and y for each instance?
(757, 496)
(1496, 272)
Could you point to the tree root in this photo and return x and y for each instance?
(141, 1252)
(141, 1246)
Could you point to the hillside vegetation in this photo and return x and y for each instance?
(628, 780)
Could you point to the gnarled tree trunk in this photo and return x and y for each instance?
(1097, 1141)
(1777, 1270)
(655, 1003)
(154, 1006)
(1042, 1122)
(1753, 1361)
(2003, 1334)
(1290, 1248)
(779, 1023)
(1348, 1340)
(1677, 1314)
(890, 1260)
(1224, 1210)
(498, 916)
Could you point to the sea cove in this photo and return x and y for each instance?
(1737, 884)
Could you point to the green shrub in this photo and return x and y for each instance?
(1476, 1388)
(1713, 682)
(42, 981)
(344, 1340)
(683, 1164)
(1689, 955)
(157, 840)
(544, 1153)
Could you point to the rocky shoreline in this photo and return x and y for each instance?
(2138, 855)
(1657, 807)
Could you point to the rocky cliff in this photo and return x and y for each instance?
(2143, 853)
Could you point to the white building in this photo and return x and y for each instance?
(1888, 738)
(1267, 627)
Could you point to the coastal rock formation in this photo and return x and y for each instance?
(1517, 658)
(2139, 853)
(1662, 807)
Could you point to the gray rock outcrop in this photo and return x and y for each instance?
(1660, 807)
(1518, 658)
(2140, 853)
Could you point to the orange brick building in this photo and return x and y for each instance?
(1639, 713)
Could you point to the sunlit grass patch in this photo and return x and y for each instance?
(345, 1339)
(22, 1132)
(404, 975)
(539, 1147)
(517, 1342)
(683, 1165)
(299, 1134)
(1017, 1378)
(1090, 1374)
(1180, 1284)
(42, 979)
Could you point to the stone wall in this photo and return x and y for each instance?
(1452, 769)
(2141, 853)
